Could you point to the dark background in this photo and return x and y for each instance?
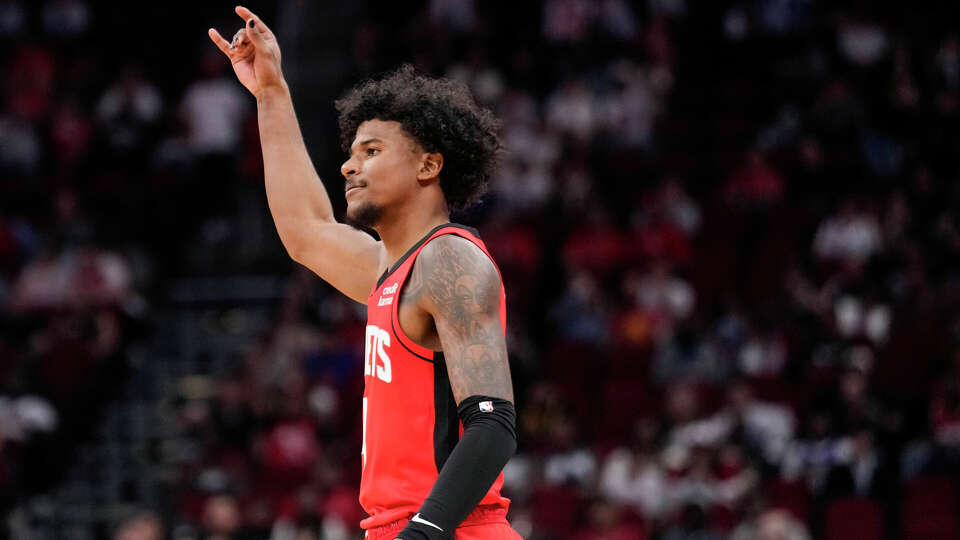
(729, 233)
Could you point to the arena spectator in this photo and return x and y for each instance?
(850, 236)
(772, 525)
(141, 526)
(213, 109)
(128, 109)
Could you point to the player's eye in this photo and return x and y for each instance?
(373, 151)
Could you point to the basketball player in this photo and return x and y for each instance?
(438, 414)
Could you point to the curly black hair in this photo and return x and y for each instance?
(442, 116)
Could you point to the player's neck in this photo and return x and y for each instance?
(406, 229)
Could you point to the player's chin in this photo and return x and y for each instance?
(363, 214)
(354, 210)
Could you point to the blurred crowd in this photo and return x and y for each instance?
(729, 233)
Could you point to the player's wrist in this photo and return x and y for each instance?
(273, 91)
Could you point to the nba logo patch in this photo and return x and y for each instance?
(486, 406)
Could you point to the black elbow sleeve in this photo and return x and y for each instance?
(490, 412)
(489, 440)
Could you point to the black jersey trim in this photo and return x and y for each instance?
(400, 261)
(446, 425)
(393, 324)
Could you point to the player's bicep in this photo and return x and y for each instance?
(344, 257)
(462, 293)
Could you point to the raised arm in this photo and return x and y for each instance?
(348, 259)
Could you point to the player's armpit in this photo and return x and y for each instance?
(460, 288)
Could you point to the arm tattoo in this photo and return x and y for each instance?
(460, 287)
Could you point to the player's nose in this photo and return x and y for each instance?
(349, 168)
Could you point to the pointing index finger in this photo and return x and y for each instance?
(218, 40)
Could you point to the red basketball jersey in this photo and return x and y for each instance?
(410, 422)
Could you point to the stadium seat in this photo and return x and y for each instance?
(853, 518)
(619, 405)
(791, 496)
(555, 509)
(722, 518)
(929, 510)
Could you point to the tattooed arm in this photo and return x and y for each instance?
(458, 285)
(460, 288)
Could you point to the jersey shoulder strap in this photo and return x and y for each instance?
(406, 261)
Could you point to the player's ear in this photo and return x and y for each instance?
(430, 165)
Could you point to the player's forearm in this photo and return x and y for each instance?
(295, 193)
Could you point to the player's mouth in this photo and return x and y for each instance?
(352, 189)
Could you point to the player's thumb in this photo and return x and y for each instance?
(254, 34)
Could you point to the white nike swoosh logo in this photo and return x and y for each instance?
(417, 519)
